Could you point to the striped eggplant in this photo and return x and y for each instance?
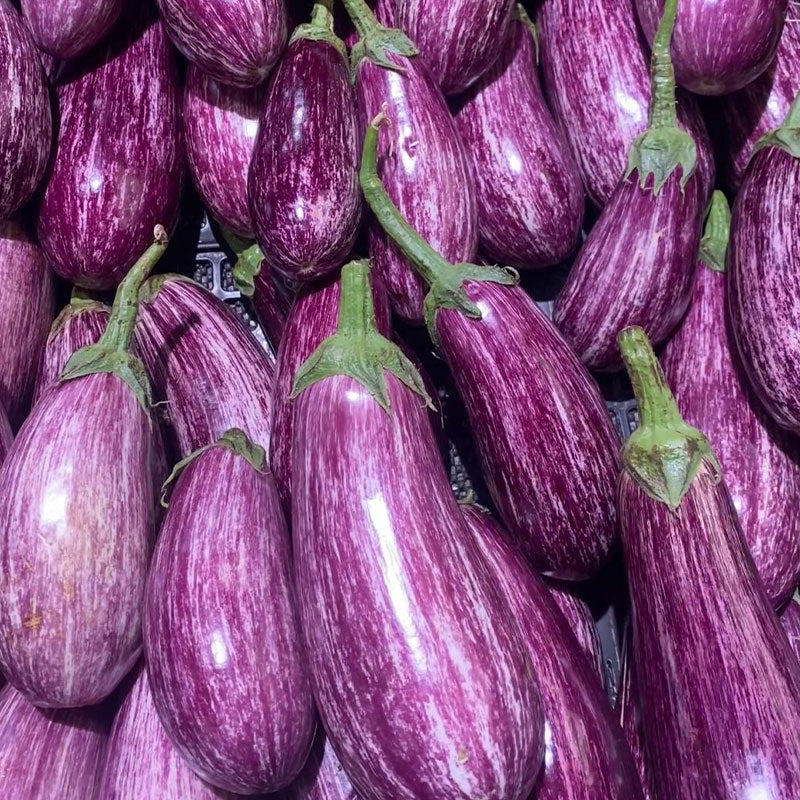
(761, 462)
(425, 167)
(719, 45)
(218, 648)
(118, 165)
(529, 192)
(550, 463)
(69, 28)
(6, 438)
(46, 754)
(25, 124)
(459, 40)
(77, 520)
(303, 183)
(237, 42)
(27, 307)
(323, 777)
(204, 364)
(719, 684)
(765, 271)
(221, 123)
(790, 620)
(419, 673)
(637, 265)
(598, 85)
(271, 305)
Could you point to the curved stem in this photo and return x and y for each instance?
(663, 113)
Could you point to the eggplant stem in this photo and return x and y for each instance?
(663, 113)
(714, 244)
(322, 15)
(362, 17)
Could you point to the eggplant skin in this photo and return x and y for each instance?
(719, 683)
(119, 160)
(225, 520)
(529, 192)
(236, 42)
(46, 754)
(719, 47)
(303, 186)
(790, 620)
(417, 667)
(459, 40)
(26, 124)
(322, 777)
(271, 305)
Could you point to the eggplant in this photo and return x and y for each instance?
(790, 620)
(26, 124)
(47, 754)
(598, 85)
(322, 777)
(417, 666)
(303, 183)
(27, 307)
(224, 519)
(765, 271)
(425, 168)
(719, 684)
(637, 265)
(204, 364)
(761, 461)
(236, 42)
(77, 520)
(271, 306)
(459, 41)
(550, 463)
(221, 125)
(719, 46)
(119, 161)
(529, 192)
(69, 28)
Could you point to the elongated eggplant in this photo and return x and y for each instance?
(598, 85)
(425, 167)
(323, 777)
(529, 192)
(70, 27)
(765, 271)
(271, 305)
(303, 184)
(790, 620)
(119, 162)
(26, 124)
(77, 519)
(719, 684)
(719, 46)
(46, 754)
(417, 666)
(235, 41)
(27, 307)
(637, 265)
(221, 125)
(761, 462)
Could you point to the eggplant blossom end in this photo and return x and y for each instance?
(658, 152)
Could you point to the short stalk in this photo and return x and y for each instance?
(714, 244)
(321, 27)
(663, 112)
(376, 40)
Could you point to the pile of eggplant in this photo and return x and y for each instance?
(231, 570)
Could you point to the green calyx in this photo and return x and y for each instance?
(152, 286)
(522, 15)
(787, 137)
(357, 349)
(714, 244)
(234, 440)
(663, 454)
(320, 29)
(249, 260)
(446, 280)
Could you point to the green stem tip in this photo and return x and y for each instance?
(321, 27)
(714, 244)
(787, 136)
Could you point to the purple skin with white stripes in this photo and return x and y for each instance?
(322, 777)
(529, 192)
(271, 305)
(790, 620)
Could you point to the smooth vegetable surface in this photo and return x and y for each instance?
(322, 777)
(790, 620)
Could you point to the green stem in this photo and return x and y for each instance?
(362, 17)
(376, 41)
(249, 260)
(663, 113)
(322, 15)
(356, 305)
(714, 244)
(793, 117)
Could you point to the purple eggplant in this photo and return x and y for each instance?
(27, 306)
(271, 305)
(221, 125)
(761, 462)
(25, 124)
(637, 265)
(425, 167)
(597, 82)
(303, 183)
(237, 42)
(6, 438)
(418, 670)
(119, 162)
(69, 28)
(77, 520)
(790, 620)
(719, 684)
(204, 364)
(47, 754)
(529, 192)
(222, 648)
(323, 777)
(765, 271)
(719, 45)
(459, 40)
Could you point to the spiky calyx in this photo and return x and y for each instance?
(787, 137)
